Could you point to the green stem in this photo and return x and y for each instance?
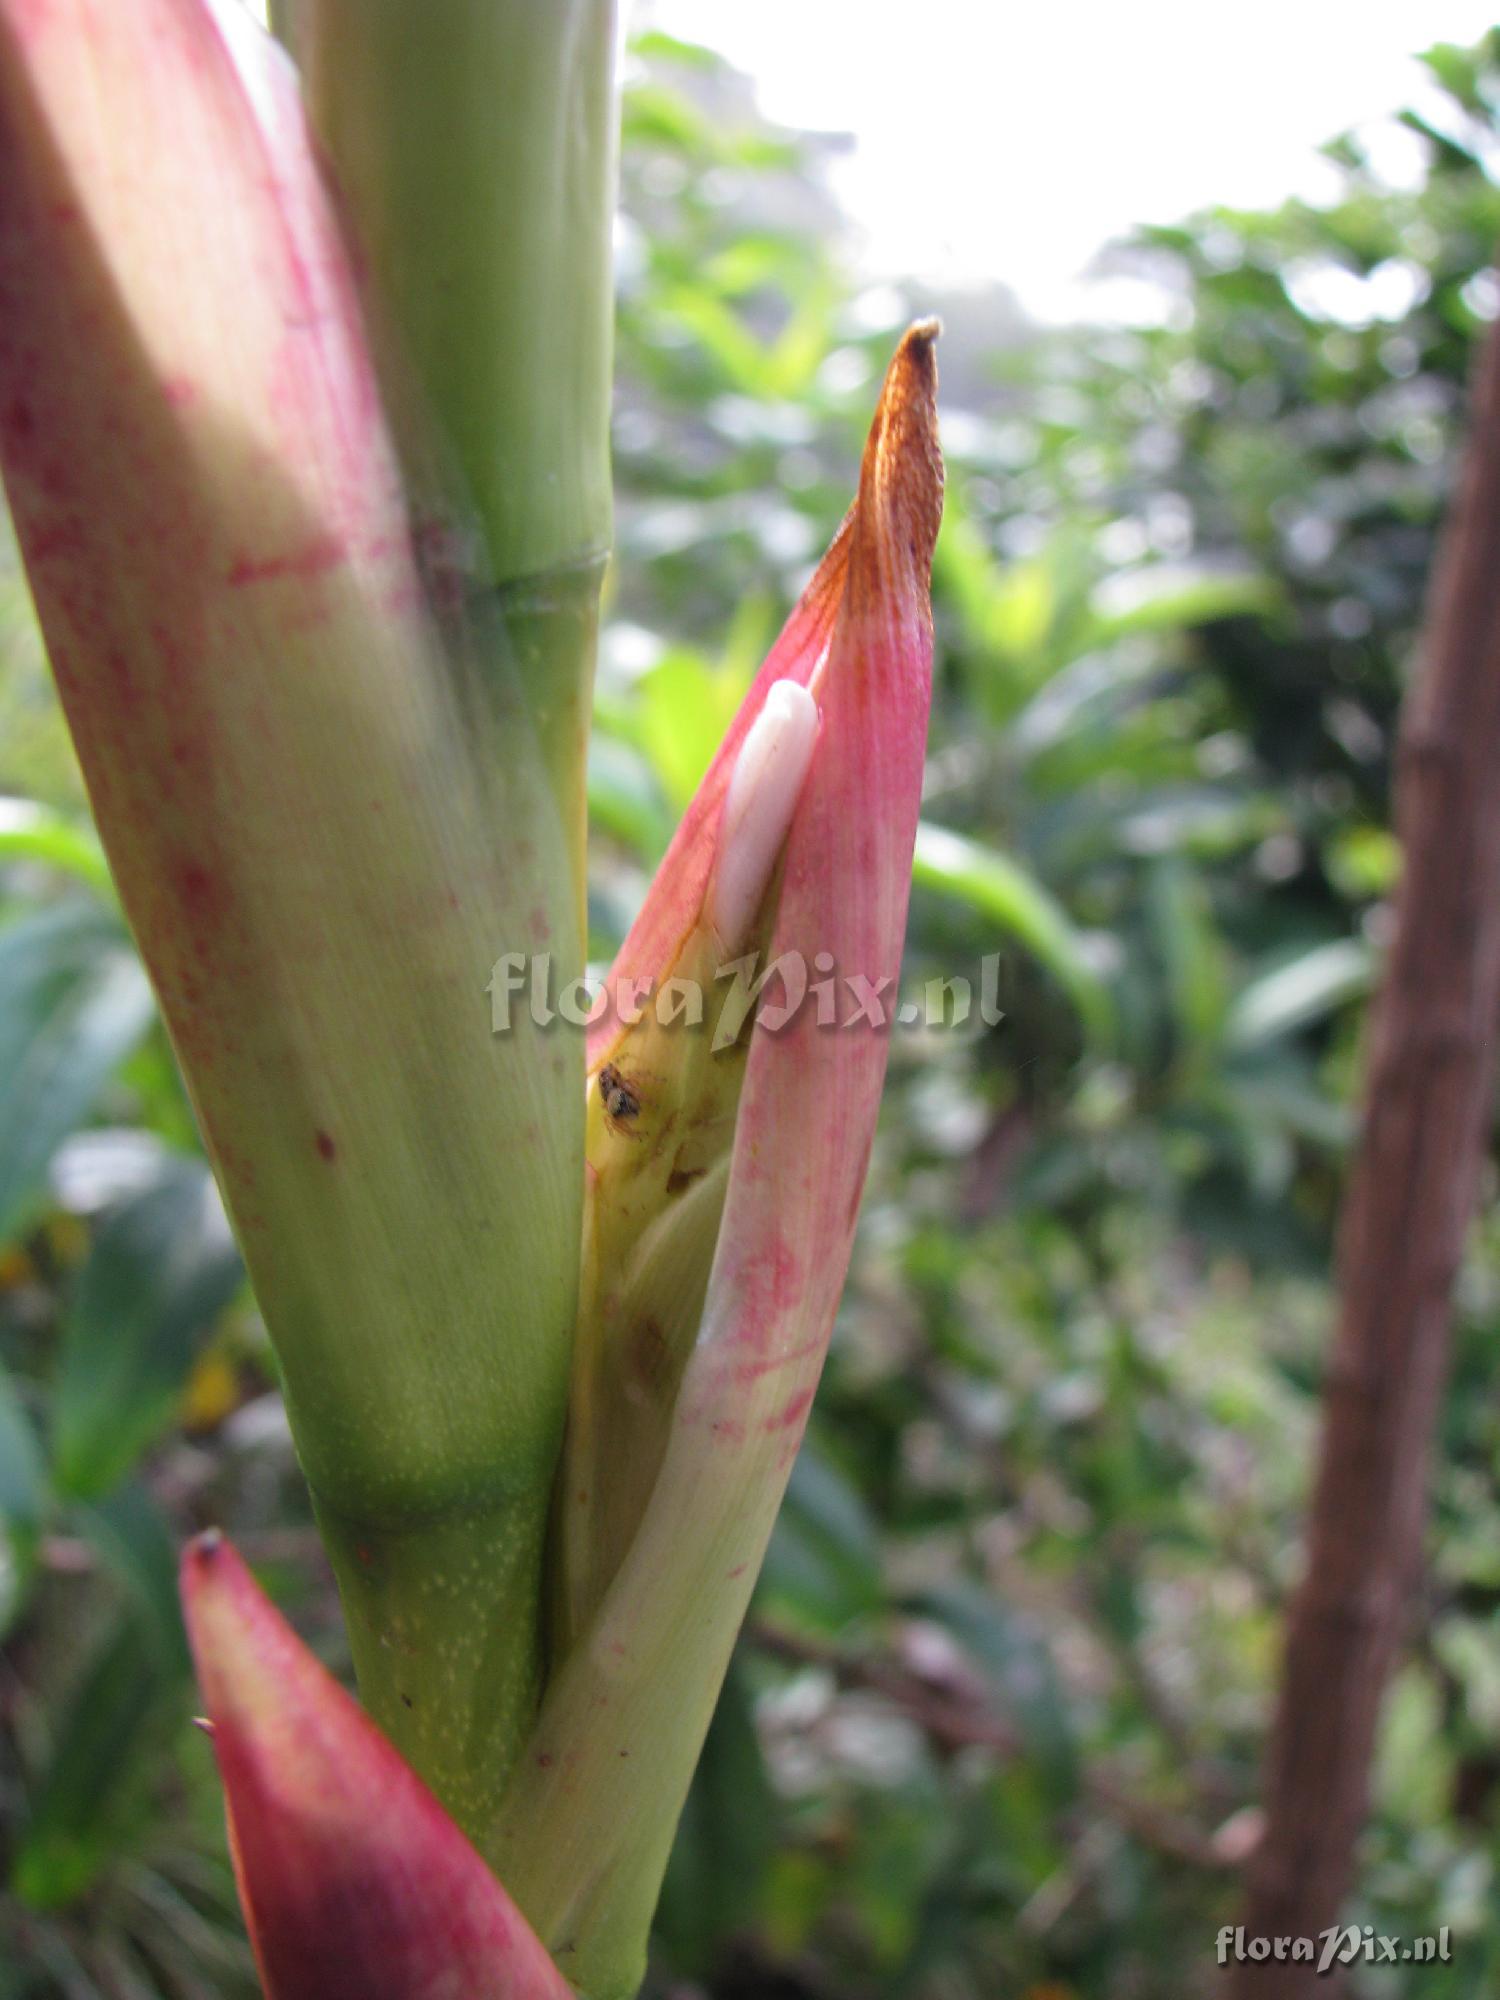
(473, 143)
(443, 1630)
(547, 625)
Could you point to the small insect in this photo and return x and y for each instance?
(622, 1102)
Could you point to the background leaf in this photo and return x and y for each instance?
(73, 1002)
(162, 1268)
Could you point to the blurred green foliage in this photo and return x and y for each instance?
(995, 1724)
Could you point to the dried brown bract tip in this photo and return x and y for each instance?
(901, 480)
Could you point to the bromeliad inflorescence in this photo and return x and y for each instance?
(547, 1419)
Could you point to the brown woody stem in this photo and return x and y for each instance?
(1405, 1218)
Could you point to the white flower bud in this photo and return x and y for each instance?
(762, 797)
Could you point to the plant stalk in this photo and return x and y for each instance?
(1406, 1215)
(473, 147)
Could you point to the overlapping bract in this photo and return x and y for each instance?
(306, 797)
(590, 1812)
(355, 1883)
(324, 814)
(304, 813)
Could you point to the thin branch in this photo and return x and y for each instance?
(1406, 1214)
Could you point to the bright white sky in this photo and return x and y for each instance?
(1007, 139)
